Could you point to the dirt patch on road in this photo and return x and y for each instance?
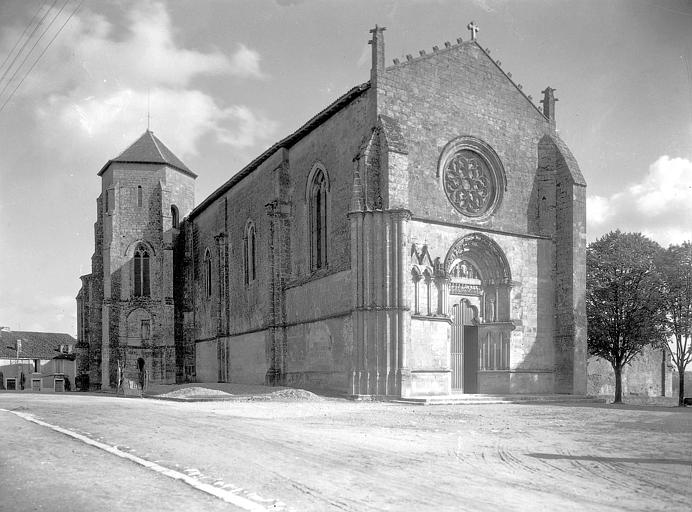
(195, 392)
(225, 391)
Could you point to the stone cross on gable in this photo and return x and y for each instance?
(474, 29)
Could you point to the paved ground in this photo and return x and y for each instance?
(329, 454)
(45, 470)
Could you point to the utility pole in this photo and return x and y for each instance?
(19, 368)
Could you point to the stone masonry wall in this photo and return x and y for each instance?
(279, 184)
(460, 91)
(127, 223)
(643, 377)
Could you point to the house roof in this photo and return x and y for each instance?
(35, 345)
(148, 149)
(286, 142)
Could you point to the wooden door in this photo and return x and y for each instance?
(470, 359)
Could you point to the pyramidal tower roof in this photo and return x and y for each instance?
(148, 149)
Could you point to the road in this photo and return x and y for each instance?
(339, 455)
(44, 470)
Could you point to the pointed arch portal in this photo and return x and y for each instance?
(479, 280)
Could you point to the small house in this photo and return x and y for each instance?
(36, 361)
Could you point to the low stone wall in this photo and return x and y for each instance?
(643, 377)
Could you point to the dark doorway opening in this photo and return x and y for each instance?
(464, 347)
(470, 359)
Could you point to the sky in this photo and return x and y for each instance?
(223, 80)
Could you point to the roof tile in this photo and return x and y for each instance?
(149, 149)
(35, 345)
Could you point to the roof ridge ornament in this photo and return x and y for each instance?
(474, 30)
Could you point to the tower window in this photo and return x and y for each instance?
(317, 211)
(141, 284)
(174, 217)
(110, 200)
(145, 330)
(139, 197)
(207, 272)
(249, 253)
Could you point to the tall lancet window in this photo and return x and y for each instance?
(317, 205)
(140, 200)
(175, 220)
(250, 255)
(141, 284)
(207, 272)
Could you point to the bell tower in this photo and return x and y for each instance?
(145, 192)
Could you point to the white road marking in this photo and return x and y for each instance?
(217, 492)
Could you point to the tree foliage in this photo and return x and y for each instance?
(675, 268)
(624, 300)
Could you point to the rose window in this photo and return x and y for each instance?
(472, 177)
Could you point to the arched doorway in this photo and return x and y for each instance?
(479, 282)
(464, 347)
(142, 371)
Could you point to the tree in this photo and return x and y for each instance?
(624, 303)
(675, 268)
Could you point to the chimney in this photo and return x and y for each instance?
(548, 101)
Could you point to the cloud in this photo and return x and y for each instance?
(598, 210)
(245, 63)
(659, 206)
(95, 83)
(110, 122)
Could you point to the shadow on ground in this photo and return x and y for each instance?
(556, 456)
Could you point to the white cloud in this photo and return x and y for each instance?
(95, 83)
(659, 206)
(245, 63)
(668, 186)
(598, 210)
(109, 123)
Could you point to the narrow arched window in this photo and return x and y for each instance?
(174, 216)
(207, 273)
(141, 281)
(140, 199)
(317, 206)
(250, 254)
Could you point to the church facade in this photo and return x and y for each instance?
(422, 235)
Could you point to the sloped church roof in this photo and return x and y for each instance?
(148, 149)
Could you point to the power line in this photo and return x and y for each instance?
(4, 74)
(31, 22)
(41, 54)
(33, 47)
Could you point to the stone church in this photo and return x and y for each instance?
(422, 235)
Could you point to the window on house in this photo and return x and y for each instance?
(207, 272)
(140, 200)
(141, 271)
(37, 366)
(59, 365)
(317, 206)
(250, 255)
(174, 217)
(11, 384)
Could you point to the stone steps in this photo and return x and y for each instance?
(470, 399)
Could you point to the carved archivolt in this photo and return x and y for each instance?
(472, 176)
(482, 256)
